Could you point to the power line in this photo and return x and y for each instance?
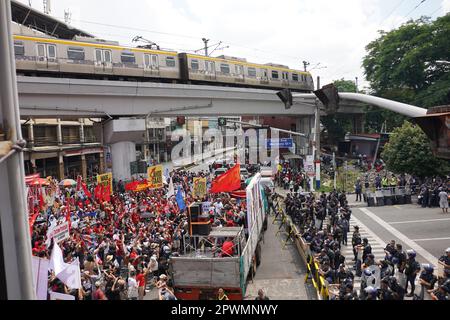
(277, 54)
(431, 14)
(422, 1)
(392, 11)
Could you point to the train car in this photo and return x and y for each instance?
(93, 57)
(239, 72)
(39, 54)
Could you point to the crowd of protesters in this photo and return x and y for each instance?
(124, 245)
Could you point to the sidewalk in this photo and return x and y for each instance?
(281, 273)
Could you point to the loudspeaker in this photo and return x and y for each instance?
(200, 228)
(195, 210)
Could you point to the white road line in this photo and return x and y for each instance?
(368, 231)
(431, 239)
(418, 221)
(424, 253)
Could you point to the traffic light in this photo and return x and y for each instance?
(222, 122)
(329, 96)
(286, 96)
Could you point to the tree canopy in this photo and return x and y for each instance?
(410, 64)
(409, 151)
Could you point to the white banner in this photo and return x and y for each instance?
(59, 232)
(40, 277)
(60, 296)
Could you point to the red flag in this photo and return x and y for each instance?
(85, 190)
(98, 192)
(32, 220)
(228, 182)
(131, 186)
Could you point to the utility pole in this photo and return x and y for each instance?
(67, 16)
(205, 41)
(317, 139)
(305, 65)
(356, 84)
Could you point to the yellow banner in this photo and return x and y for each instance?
(199, 187)
(155, 177)
(104, 179)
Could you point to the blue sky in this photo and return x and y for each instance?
(326, 33)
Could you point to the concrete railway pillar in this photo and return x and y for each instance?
(122, 135)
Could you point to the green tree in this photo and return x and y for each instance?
(337, 125)
(409, 151)
(410, 64)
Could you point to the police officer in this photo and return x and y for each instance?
(427, 280)
(412, 268)
(398, 292)
(385, 293)
(356, 240)
(363, 292)
(446, 258)
(371, 293)
(367, 249)
(400, 257)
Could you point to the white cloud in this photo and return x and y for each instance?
(446, 6)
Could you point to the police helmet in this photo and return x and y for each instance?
(370, 290)
(447, 250)
(428, 267)
(411, 253)
(367, 272)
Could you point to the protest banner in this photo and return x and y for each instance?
(199, 187)
(105, 180)
(155, 177)
(59, 232)
(205, 207)
(61, 296)
(40, 277)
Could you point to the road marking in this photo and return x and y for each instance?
(368, 231)
(398, 207)
(431, 239)
(424, 253)
(418, 221)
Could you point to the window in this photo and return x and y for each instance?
(19, 49)
(295, 77)
(194, 65)
(75, 53)
(170, 61)
(41, 50)
(285, 76)
(275, 75)
(251, 72)
(51, 51)
(151, 61)
(224, 68)
(127, 57)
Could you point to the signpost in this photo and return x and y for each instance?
(280, 143)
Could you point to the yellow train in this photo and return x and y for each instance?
(93, 58)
